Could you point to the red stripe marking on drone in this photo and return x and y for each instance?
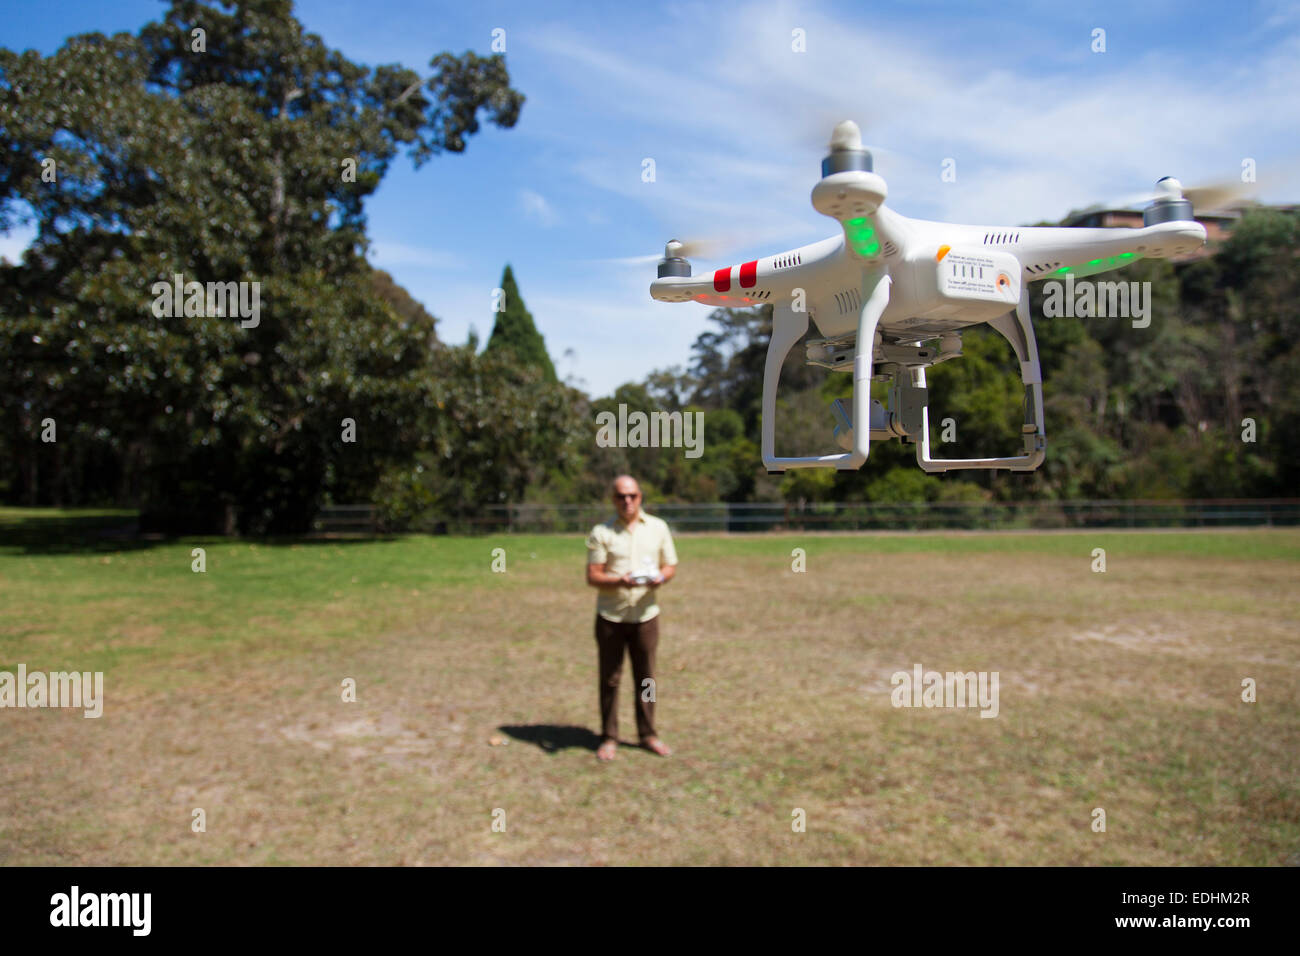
(748, 274)
(722, 280)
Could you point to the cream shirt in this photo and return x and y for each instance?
(643, 547)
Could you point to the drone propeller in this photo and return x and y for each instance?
(1205, 197)
(674, 261)
(1173, 202)
(811, 132)
(846, 150)
(683, 249)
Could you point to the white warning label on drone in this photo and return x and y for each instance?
(979, 275)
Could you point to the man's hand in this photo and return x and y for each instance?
(665, 575)
(598, 577)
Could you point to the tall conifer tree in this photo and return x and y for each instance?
(515, 332)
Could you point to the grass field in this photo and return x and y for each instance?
(476, 691)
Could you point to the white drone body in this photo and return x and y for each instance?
(891, 295)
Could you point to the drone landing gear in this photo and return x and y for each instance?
(908, 415)
(1019, 331)
(788, 327)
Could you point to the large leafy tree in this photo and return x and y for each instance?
(223, 143)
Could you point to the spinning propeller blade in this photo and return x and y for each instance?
(1204, 197)
(813, 127)
(712, 247)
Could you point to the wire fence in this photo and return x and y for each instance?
(844, 516)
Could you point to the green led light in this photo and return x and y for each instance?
(1126, 255)
(1095, 262)
(859, 231)
(1063, 269)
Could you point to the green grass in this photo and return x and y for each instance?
(476, 692)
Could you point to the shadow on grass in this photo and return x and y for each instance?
(111, 533)
(71, 534)
(553, 737)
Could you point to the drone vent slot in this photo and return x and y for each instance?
(849, 301)
(891, 249)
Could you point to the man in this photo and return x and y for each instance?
(628, 558)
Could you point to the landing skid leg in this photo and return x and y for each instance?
(1019, 331)
(787, 328)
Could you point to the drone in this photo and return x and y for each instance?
(891, 297)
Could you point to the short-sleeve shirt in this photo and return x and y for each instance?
(644, 547)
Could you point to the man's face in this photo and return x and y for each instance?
(627, 499)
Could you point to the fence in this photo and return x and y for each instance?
(852, 516)
(347, 520)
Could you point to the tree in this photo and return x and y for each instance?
(727, 364)
(244, 159)
(514, 335)
(494, 429)
(407, 309)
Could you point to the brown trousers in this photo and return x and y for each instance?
(640, 640)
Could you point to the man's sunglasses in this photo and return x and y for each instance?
(617, 495)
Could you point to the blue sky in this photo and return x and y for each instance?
(736, 122)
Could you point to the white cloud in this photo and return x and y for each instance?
(737, 122)
(535, 206)
(387, 255)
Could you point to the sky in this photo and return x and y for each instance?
(1014, 98)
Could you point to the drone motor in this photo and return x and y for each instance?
(1169, 206)
(847, 152)
(674, 263)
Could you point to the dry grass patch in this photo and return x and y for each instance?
(476, 692)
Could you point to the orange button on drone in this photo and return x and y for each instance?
(943, 251)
